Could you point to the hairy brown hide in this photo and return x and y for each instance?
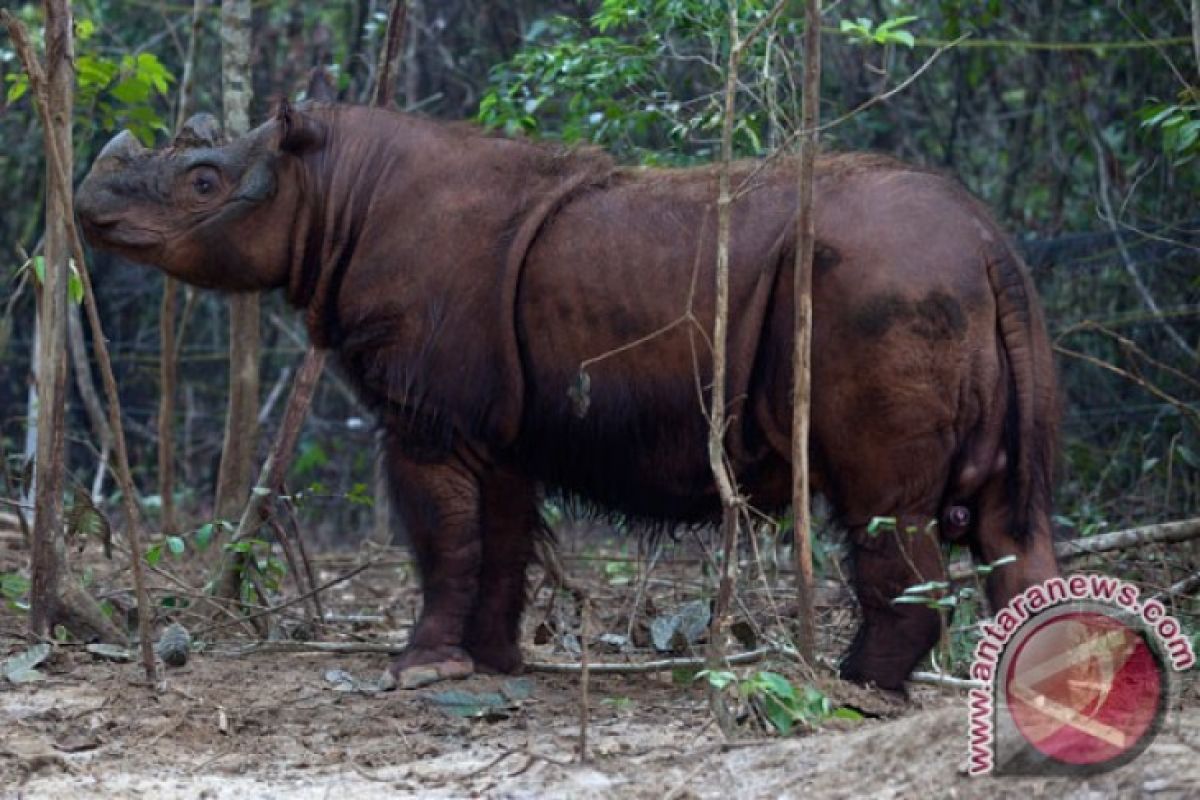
(465, 279)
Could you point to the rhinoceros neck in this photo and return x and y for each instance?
(337, 187)
(391, 194)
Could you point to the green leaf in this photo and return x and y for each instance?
(203, 536)
(913, 599)
(780, 716)
(20, 85)
(931, 586)
(880, 523)
(21, 668)
(360, 496)
(718, 679)
(13, 586)
(74, 284)
(131, 91)
(1188, 455)
(775, 684)
(154, 554)
(175, 544)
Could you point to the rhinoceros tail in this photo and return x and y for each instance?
(1031, 422)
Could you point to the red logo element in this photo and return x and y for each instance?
(1084, 688)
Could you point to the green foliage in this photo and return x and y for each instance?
(258, 560)
(310, 458)
(14, 588)
(865, 31)
(111, 92)
(608, 81)
(120, 92)
(777, 701)
(1177, 124)
(619, 573)
(360, 495)
(879, 524)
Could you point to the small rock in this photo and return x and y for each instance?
(174, 645)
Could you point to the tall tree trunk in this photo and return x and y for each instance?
(241, 419)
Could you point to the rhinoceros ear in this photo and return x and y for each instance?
(200, 130)
(320, 87)
(298, 132)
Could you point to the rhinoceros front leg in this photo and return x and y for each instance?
(510, 522)
(439, 503)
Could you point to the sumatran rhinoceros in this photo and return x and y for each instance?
(467, 281)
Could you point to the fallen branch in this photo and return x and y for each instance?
(277, 608)
(660, 665)
(1180, 588)
(945, 681)
(1163, 533)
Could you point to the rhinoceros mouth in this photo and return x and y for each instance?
(116, 233)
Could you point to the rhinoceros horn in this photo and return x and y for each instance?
(200, 130)
(123, 146)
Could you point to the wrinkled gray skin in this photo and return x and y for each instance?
(195, 201)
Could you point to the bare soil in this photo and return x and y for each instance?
(263, 725)
(268, 726)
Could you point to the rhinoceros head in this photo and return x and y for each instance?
(211, 213)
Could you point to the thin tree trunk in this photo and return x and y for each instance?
(54, 597)
(412, 70)
(801, 357)
(167, 369)
(716, 412)
(241, 419)
(47, 566)
(1196, 33)
(389, 56)
(274, 469)
(168, 349)
(84, 382)
(722, 474)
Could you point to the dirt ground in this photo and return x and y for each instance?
(231, 724)
(267, 726)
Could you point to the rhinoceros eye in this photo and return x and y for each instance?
(205, 181)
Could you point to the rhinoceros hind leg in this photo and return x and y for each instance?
(893, 637)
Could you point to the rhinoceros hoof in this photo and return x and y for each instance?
(419, 667)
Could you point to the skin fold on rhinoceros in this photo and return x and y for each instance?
(463, 279)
